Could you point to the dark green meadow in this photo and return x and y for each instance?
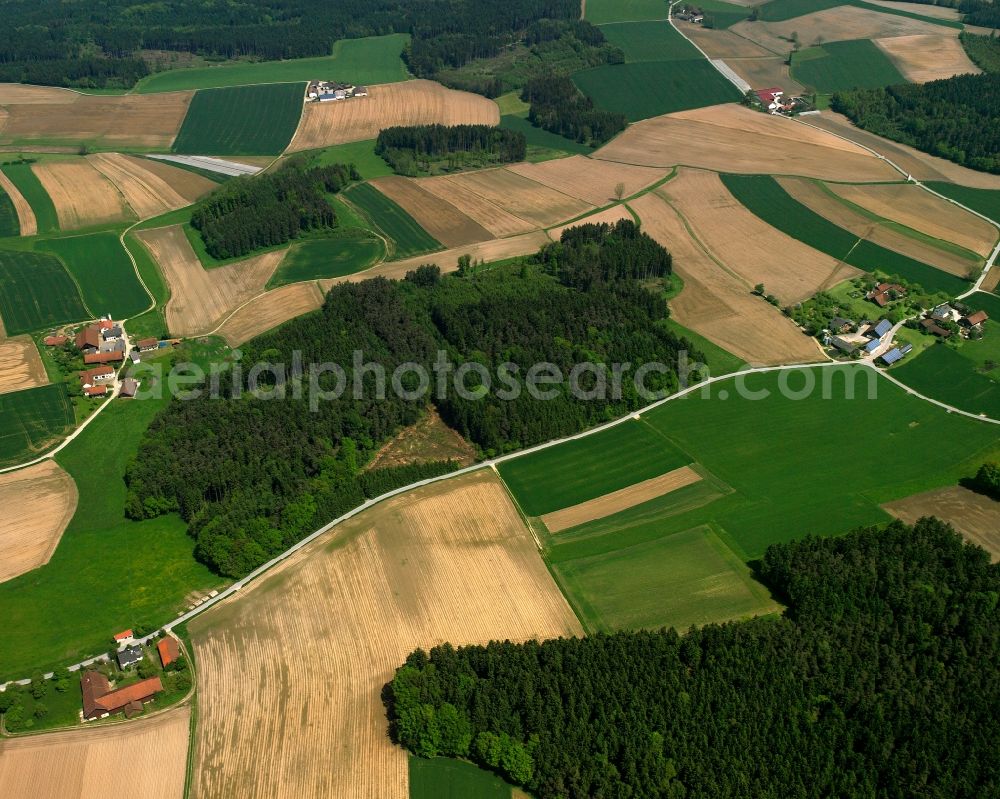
(9, 224)
(31, 421)
(650, 41)
(325, 258)
(36, 292)
(444, 778)
(34, 193)
(985, 201)
(839, 66)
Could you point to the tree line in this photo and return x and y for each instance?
(251, 476)
(247, 214)
(881, 679)
(558, 106)
(406, 148)
(956, 118)
(983, 50)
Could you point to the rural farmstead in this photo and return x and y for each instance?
(532, 400)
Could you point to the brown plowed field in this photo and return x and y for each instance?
(439, 218)
(270, 310)
(187, 184)
(716, 303)
(522, 197)
(766, 72)
(20, 365)
(23, 94)
(412, 102)
(82, 195)
(590, 180)
(147, 193)
(45, 497)
(25, 216)
(490, 215)
(924, 57)
(731, 138)
(724, 43)
(144, 758)
(449, 562)
(755, 251)
(607, 216)
(912, 206)
(620, 500)
(201, 298)
(132, 120)
(975, 516)
(814, 197)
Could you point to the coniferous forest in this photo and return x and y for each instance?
(559, 107)
(882, 679)
(406, 147)
(251, 475)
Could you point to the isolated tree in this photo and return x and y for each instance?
(619, 190)
(987, 479)
(759, 289)
(464, 264)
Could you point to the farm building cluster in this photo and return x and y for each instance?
(867, 339)
(321, 91)
(945, 320)
(774, 101)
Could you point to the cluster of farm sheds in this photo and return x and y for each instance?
(321, 91)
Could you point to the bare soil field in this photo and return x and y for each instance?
(20, 365)
(270, 310)
(755, 251)
(924, 57)
(814, 197)
(25, 216)
(428, 440)
(146, 192)
(145, 757)
(412, 102)
(920, 165)
(45, 497)
(975, 516)
(201, 298)
(938, 12)
(133, 120)
(23, 94)
(590, 180)
(766, 72)
(490, 215)
(81, 195)
(912, 206)
(439, 218)
(620, 500)
(326, 631)
(521, 196)
(607, 216)
(724, 43)
(833, 25)
(716, 303)
(731, 138)
(991, 281)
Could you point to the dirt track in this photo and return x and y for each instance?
(20, 365)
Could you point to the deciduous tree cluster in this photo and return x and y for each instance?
(559, 107)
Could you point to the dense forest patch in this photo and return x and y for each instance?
(424, 149)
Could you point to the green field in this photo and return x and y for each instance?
(375, 59)
(762, 195)
(985, 201)
(333, 257)
(243, 120)
(650, 41)
(359, 153)
(720, 14)
(31, 421)
(152, 323)
(651, 88)
(444, 778)
(9, 224)
(718, 360)
(35, 195)
(392, 220)
(103, 271)
(943, 373)
(601, 11)
(107, 573)
(781, 10)
(540, 140)
(839, 66)
(36, 292)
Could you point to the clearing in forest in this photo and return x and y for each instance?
(46, 499)
(428, 440)
(331, 625)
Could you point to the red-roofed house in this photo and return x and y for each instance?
(55, 341)
(96, 376)
(770, 98)
(168, 649)
(124, 635)
(147, 344)
(95, 391)
(89, 339)
(114, 356)
(974, 320)
(99, 700)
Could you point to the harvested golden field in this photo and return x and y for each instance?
(200, 299)
(131, 120)
(490, 215)
(23, 94)
(412, 102)
(45, 497)
(975, 516)
(752, 249)
(716, 303)
(448, 562)
(81, 195)
(816, 198)
(923, 57)
(145, 758)
(270, 310)
(25, 216)
(731, 138)
(146, 192)
(20, 365)
(620, 500)
(587, 179)
(724, 43)
(439, 218)
(919, 209)
(607, 216)
(428, 440)
(521, 196)
(924, 10)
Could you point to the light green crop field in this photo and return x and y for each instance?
(375, 59)
(34, 193)
(839, 66)
(36, 292)
(780, 10)
(103, 271)
(392, 220)
(443, 778)
(241, 120)
(324, 258)
(601, 11)
(985, 201)
(31, 421)
(650, 41)
(359, 153)
(9, 224)
(952, 375)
